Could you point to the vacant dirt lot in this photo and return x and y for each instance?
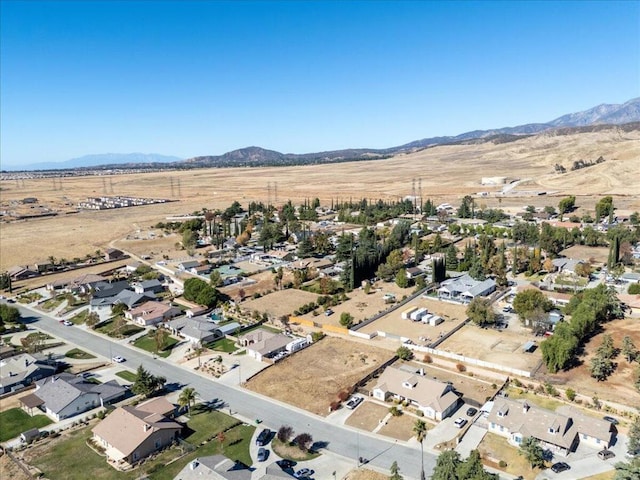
(619, 386)
(501, 347)
(582, 252)
(365, 474)
(392, 323)
(399, 427)
(367, 416)
(458, 167)
(313, 378)
(280, 302)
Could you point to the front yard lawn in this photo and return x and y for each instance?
(80, 318)
(222, 345)
(148, 343)
(79, 354)
(497, 448)
(126, 330)
(292, 452)
(52, 304)
(127, 375)
(15, 421)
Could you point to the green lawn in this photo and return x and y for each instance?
(148, 343)
(127, 375)
(15, 421)
(206, 424)
(222, 345)
(79, 354)
(80, 318)
(126, 331)
(539, 400)
(52, 303)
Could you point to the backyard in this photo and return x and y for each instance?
(15, 421)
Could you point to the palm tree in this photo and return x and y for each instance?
(187, 397)
(420, 429)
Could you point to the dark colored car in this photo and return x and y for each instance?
(612, 420)
(560, 467)
(471, 411)
(263, 453)
(285, 464)
(605, 454)
(264, 437)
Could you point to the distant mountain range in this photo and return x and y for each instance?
(588, 120)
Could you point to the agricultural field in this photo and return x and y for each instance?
(312, 378)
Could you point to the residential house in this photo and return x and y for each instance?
(262, 343)
(200, 330)
(113, 254)
(82, 284)
(21, 273)
(130, 434)
(414, 272)
(201, 269)
(558, 432)
(21, 371)
(64, 395)
(154, 286)
(566, 265)
(188, 265)
(45, 266)
(435, 399)
(215, 467)
(464, 288)
(151, 313)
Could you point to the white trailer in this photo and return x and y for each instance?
(427, 318)
(418, 314)
(407, 313)
(435, 320)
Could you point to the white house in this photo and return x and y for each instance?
(464, 288)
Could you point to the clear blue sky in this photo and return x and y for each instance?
(206, 77)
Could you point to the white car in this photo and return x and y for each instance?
(118, 359)
(67, 323)
(460, 422)
(354, 402)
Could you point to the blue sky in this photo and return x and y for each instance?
(205, 77)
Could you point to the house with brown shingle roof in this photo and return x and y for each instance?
(152, 313)
(556, 431)
(435, 399)
(130, 434)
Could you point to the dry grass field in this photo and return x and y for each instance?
(365, 474)
(446, 172)
(367, 416)
(501, 347)
(280, 302)
(582, 252)
(399, 427)
(312, 378)
(619, 387)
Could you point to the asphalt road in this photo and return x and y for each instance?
(335, 438)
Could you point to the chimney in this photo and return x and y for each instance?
(146, 427)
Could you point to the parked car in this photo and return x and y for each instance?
(328, 312)
(605, 454)
(560, 467)
(118, 359)
(303, 472)
(612, 420)
(263, 438)
(286, 464)
(354, 402)
(460, 422)
(471, 411)
(263, 453)
(67, 323)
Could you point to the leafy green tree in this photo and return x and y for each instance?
(147, 384)
(215, 279)
(601, 367)
(189, 239)
(395, 472)
(481, 312)
(628, 471)
(558, 351)
(160, 337)
(629, 350)
(9, 314)
(187, 398)
(401, 278)
(452, 257)
(200, 292)
(119, 309)
(528, 302)
(607, 349)
(446, 466)
(567, 204)
(346, 319)
(5, 282)
(604, 208)
(472, 468)
(530, 448)
(404, 353)
(634, 436)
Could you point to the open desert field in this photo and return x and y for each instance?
(280, 302)
(619, 387)
(312, 378)
(446, 173)
(501, 347)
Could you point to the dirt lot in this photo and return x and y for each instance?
(312, 378)
(619, 386)
(501, 347)
(281, 302)
(392, 323)
(360, 305)
(399, 427)
(582, 252)
(10, 470)
(367, 416)
(365, 474)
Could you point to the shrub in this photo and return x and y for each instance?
(427, 359)
(343, 395)
(395, 411)
(419, 413)
(551, 390)
(494, 386)
(333, 406)
(502, 464)
(634, 289)
(460, 367)
(571, 394)
(516, 382)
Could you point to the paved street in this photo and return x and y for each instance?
(340, 440)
